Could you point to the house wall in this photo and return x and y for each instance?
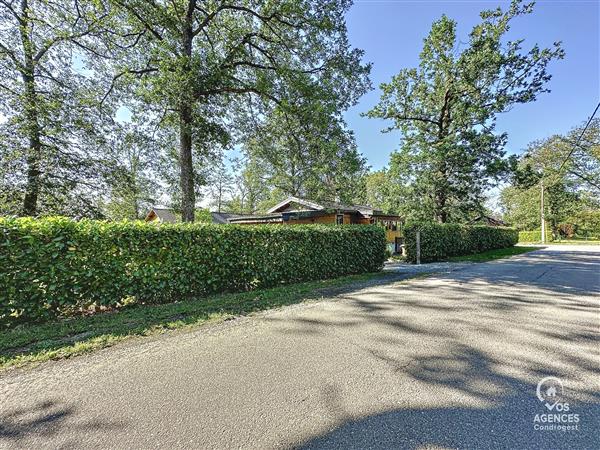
(391, 235)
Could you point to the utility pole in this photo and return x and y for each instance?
(542, 215)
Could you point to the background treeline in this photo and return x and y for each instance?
(110, 106)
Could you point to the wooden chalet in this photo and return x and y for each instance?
(296, 210)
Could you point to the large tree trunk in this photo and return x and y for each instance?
(34, 152)
(32, 126)
(188, 195)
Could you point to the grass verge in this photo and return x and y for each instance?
(574, 242)
(494, 254)
(74, 336)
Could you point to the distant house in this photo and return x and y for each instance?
(296, 210)
(487, 220)
(161, 214)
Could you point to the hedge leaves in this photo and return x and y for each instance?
(56, 266)
(439, 241)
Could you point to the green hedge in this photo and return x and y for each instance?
(534, 236)
(440, 241)
(56, 266)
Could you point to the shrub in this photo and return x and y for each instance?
(52, 267)
(440, 241)
(534, 236)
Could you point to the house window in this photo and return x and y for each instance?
(339, 219)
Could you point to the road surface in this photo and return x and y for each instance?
(451, 361)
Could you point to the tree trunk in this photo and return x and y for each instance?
(441, 194)
(32, 126)
(34, 152)
(441, 215)
(188, 195)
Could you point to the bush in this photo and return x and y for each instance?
(534, 236)
(440, 241)
(55, 266)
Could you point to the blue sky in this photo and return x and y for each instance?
(391, 32)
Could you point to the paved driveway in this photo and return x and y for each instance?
(445, 362)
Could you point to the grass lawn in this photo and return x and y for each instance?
(74, 336)
(494, 254)
(575, 242)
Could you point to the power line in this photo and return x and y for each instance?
(579, 138)
(575, 145)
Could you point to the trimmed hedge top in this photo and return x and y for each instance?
(55, 266)
(440, 241)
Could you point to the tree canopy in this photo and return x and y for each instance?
(446, 110)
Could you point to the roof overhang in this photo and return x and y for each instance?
(390, 217)
(300, 201)
(262, 218)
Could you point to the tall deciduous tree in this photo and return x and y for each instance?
(129, 169)
(308, 153)
(47, 106)
(195, 56)
(251, 191)
(220, 184)
(446, 110)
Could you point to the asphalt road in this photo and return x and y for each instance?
(451, 361)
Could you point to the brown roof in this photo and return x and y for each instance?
(320, 206)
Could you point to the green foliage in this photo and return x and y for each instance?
(571, 184)
(491, 255)
(250, 189)
(440, 241)
(308, 152)
(203, 215)
(534, 236)
(56, 266)
(128, 166)
(446, 111)
(209, 71)
(49, 131)
(521, 207)
(587, 222)
(381, 193)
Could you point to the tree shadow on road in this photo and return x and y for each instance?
(474, 346)
(29, 427)
(508, 421)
